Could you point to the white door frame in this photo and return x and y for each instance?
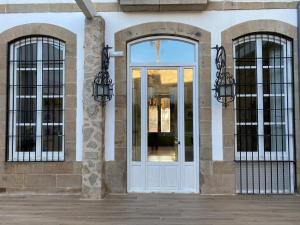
(141, 166)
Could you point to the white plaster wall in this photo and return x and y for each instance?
(213, 21)
(73, 22)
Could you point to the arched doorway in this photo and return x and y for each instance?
(162, 110)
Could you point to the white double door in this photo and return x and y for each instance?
(163, 148)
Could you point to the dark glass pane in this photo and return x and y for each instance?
(26, 110)
(273, 81)
(272, 53)
(52, 138)
(246, 81)
(247, 138)
(245, 53)
(25, 138)
(26, 82)
(26, 55)
(274, 109)
(52, 110)
(274, 138)
(52, 82)
(52, 55)
(246, 109)
(136, 115)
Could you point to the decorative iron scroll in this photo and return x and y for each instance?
(224, 84)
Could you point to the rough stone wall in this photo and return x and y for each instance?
(93, 127)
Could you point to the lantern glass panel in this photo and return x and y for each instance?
(225, 90)
(106, 89)
(100, 90)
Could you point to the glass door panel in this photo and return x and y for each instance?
(188, 114)
(162, 115)
(136, 115)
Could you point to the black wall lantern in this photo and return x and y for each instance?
(103, 87)
(225, 83)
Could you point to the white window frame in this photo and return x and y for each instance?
(39, 154)
(261, 154)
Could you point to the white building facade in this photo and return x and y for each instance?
(163, 130)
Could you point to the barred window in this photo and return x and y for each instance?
(264, 114)
(36, 100)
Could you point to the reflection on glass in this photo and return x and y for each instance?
(162, 94)
(26, 82)
(246, 53)
(53, 82)
(52, 137)
(165, 115)
(26, 55)
(273, 81)
(188, 114)
(274, 99)
(153, 115)
(272, 53)
(274, 138)
(163, 51)
(274, 109)
(136, 115)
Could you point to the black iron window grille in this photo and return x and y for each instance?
(264, 131)
(35, 130)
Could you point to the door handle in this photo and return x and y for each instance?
(176, 142)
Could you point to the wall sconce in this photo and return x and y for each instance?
(102, 86)
(225, 83)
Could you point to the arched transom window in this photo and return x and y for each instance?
(161, 51)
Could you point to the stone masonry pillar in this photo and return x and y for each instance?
(94, 114)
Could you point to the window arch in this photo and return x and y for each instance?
(36, 99)
(160, 50)
(264, 113)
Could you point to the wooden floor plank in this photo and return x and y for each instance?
(150, 209)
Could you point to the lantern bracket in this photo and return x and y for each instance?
(102, 85)
(224, 86)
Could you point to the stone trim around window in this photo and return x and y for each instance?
(42, 176)
(227, 37)
(116, 171)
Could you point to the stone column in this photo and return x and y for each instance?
(94, 114)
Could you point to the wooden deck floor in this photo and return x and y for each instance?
(151, 209)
